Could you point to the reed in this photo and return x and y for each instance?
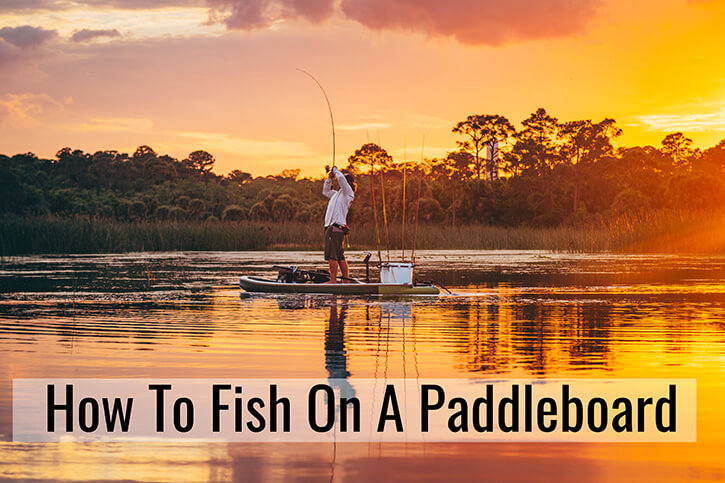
(663, 232)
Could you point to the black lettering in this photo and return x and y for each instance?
(622, 421)
(256, 414)
(273, 410)
(355, 404)
(578, 411)
(542, 413)
(185, 401)
(671, 402)
(527, 408)
(488, 402)
(216, 406)
(388, 399)
(461, 415)
(426, 405)
(124, 417)
(83, 414)
(159, 388)
(238, 410)
(642, 403)
(512, 401)
(53, 407)
(602, 415)
(312, 408)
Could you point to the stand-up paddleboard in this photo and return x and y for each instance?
(263, 285)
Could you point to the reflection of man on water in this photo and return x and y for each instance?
(336, 221)
(335, 353)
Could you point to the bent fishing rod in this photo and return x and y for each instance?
(332, 120)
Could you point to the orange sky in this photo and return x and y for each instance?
(219, 75)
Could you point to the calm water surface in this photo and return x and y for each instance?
(510, 314)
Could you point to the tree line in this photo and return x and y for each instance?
(552, 172)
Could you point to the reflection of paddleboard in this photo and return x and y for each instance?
(257, 284)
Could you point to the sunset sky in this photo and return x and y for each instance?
(219, 75)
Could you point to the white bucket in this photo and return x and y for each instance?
(396, 273)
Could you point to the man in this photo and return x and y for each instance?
(336, 221)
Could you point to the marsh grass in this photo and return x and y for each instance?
(661, 232)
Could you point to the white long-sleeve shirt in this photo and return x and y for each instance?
(339, 199)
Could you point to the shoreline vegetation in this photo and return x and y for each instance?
(549, 185)
(662, 232)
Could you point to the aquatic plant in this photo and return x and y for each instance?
(645, 232)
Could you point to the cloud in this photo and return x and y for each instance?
(28, 107)
(429, 122)
(17, 43)
(142, 4)
(86, 35)
(25, 37)
(413, 155)
(714, 121)
(364, 126)
(7, 52)
(25, 5)
(116, 124)
(478, 22)
(250, 147)
(256, 14)
(56, 5)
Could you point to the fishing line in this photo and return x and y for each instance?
(332, 120)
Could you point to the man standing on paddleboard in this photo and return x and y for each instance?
(336, 221)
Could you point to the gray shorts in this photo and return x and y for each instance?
(334, 237)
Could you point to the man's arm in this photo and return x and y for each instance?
(342, 181)
(327, 187)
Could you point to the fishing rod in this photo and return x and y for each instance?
(375, 211)
(385, 215)
(417, 205)
(329, 107)
(405, 160)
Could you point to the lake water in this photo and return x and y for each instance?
(511, 314)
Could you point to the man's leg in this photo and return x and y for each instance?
(332, 264)
(344, 269)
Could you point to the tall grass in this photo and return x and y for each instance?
(665, 232)
(668, 231)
